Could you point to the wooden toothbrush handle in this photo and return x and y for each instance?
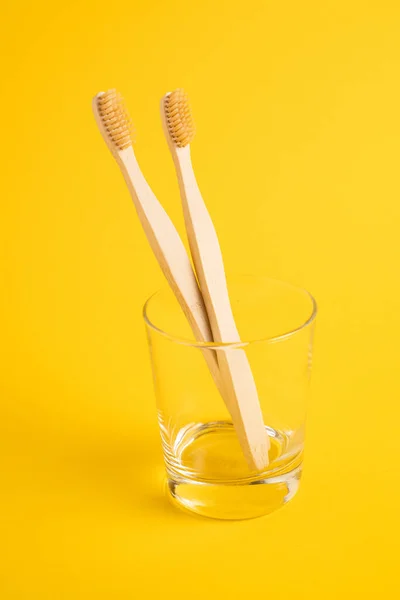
(171, 255)
(241, 398)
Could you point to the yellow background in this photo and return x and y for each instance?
(297, 152)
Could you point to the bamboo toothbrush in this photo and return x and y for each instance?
(241, 397)
(116, 128)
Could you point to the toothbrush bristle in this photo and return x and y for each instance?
(179, 118)
(116, 119)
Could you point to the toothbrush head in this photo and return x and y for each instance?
(113, 120)
(178, 118)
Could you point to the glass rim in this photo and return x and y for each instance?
(243, 343)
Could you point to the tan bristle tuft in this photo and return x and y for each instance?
(116, 119)
(179, 118)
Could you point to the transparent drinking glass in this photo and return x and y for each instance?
(206, 470)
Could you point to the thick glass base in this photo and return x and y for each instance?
(208, 475)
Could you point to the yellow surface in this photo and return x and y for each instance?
(297, 151)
